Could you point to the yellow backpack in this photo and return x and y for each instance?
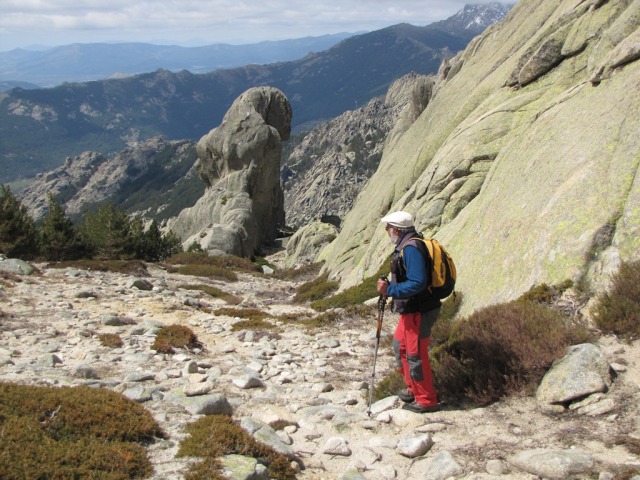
(443, 270)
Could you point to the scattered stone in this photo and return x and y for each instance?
(194, 389)
(553, 463)
(210, 404)
(140, 284)
(85, 371)
(584, 370)
(137, 394)
(240, 467)
(16, 266)
(495, 467)
(337, 446)
(413, 447)
(441, 467)
(264, 433)
(384, 404)
(248, 381)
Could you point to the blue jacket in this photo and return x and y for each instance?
(411, 277)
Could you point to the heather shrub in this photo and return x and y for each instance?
(213, 436)
(229, 262)
(618, 311)
(68, 432)
(501, 350)
(175, 336)
(111, 340)
(441, 330)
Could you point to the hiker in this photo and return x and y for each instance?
(418, 311)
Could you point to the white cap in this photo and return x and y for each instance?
(398, 219)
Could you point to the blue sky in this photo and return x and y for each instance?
(24, 23)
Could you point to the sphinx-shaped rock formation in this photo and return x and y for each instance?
(243, 204)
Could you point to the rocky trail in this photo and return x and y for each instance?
(302, 391)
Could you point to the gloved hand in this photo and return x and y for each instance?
(382, 285)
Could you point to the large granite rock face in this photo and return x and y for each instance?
(525, 161)
(243, 205)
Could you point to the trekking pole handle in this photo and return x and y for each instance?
(382, 301)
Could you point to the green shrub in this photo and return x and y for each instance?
(175, 336)
(68, 432)
(315, 289)
(213, 436)
(390, 385)
(501, 350)
(354, 295)
(618, 311)
(111, 340)
(214, 292)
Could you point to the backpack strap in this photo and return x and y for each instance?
(427, 244)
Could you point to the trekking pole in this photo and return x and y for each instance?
(382, 301)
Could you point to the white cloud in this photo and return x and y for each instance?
(55, 22)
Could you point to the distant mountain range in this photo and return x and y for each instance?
(40, 128)
(99, 61)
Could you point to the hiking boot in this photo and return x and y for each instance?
(417, 408)
(406, 396)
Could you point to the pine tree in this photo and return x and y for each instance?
(59, 239)
(171, 244)
(108, 232)
(18, 234)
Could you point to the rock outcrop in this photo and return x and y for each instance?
(243, 205)
(325, 173)
(524, 162)
(141, 178)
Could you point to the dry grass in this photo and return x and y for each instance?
(213, 436)
(68, 432)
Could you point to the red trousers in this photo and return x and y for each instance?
(411, 347)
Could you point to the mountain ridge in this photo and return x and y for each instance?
(99, 61)
(40, 128)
